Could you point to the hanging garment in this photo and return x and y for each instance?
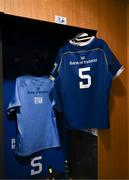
(84, 73)
(33, 101)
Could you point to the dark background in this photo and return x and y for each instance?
(30, 47)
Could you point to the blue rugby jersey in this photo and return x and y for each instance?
(84, 73)
(34, 99)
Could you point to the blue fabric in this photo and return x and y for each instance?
(83, 80)
(36, 121)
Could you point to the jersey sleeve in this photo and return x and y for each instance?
(15, 100)
(55, 99)
(114, 66)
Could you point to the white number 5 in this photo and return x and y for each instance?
(83, 85)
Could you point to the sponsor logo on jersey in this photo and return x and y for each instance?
(83, 57)
(13, 143)
(37, 92)
(38, 100)
(83, 61)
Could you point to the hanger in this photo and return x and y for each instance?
(81, 37)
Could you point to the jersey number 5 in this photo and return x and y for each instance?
(83, 76)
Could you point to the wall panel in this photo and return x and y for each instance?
(79, 13)
(113, 143)
(1, 5)
(128, 76)
(109, 18)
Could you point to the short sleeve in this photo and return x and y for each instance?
(55, 99)
(15, 100)
(114, 66)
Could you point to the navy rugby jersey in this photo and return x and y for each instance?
(84, 73)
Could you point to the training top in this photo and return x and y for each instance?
(33, 100)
